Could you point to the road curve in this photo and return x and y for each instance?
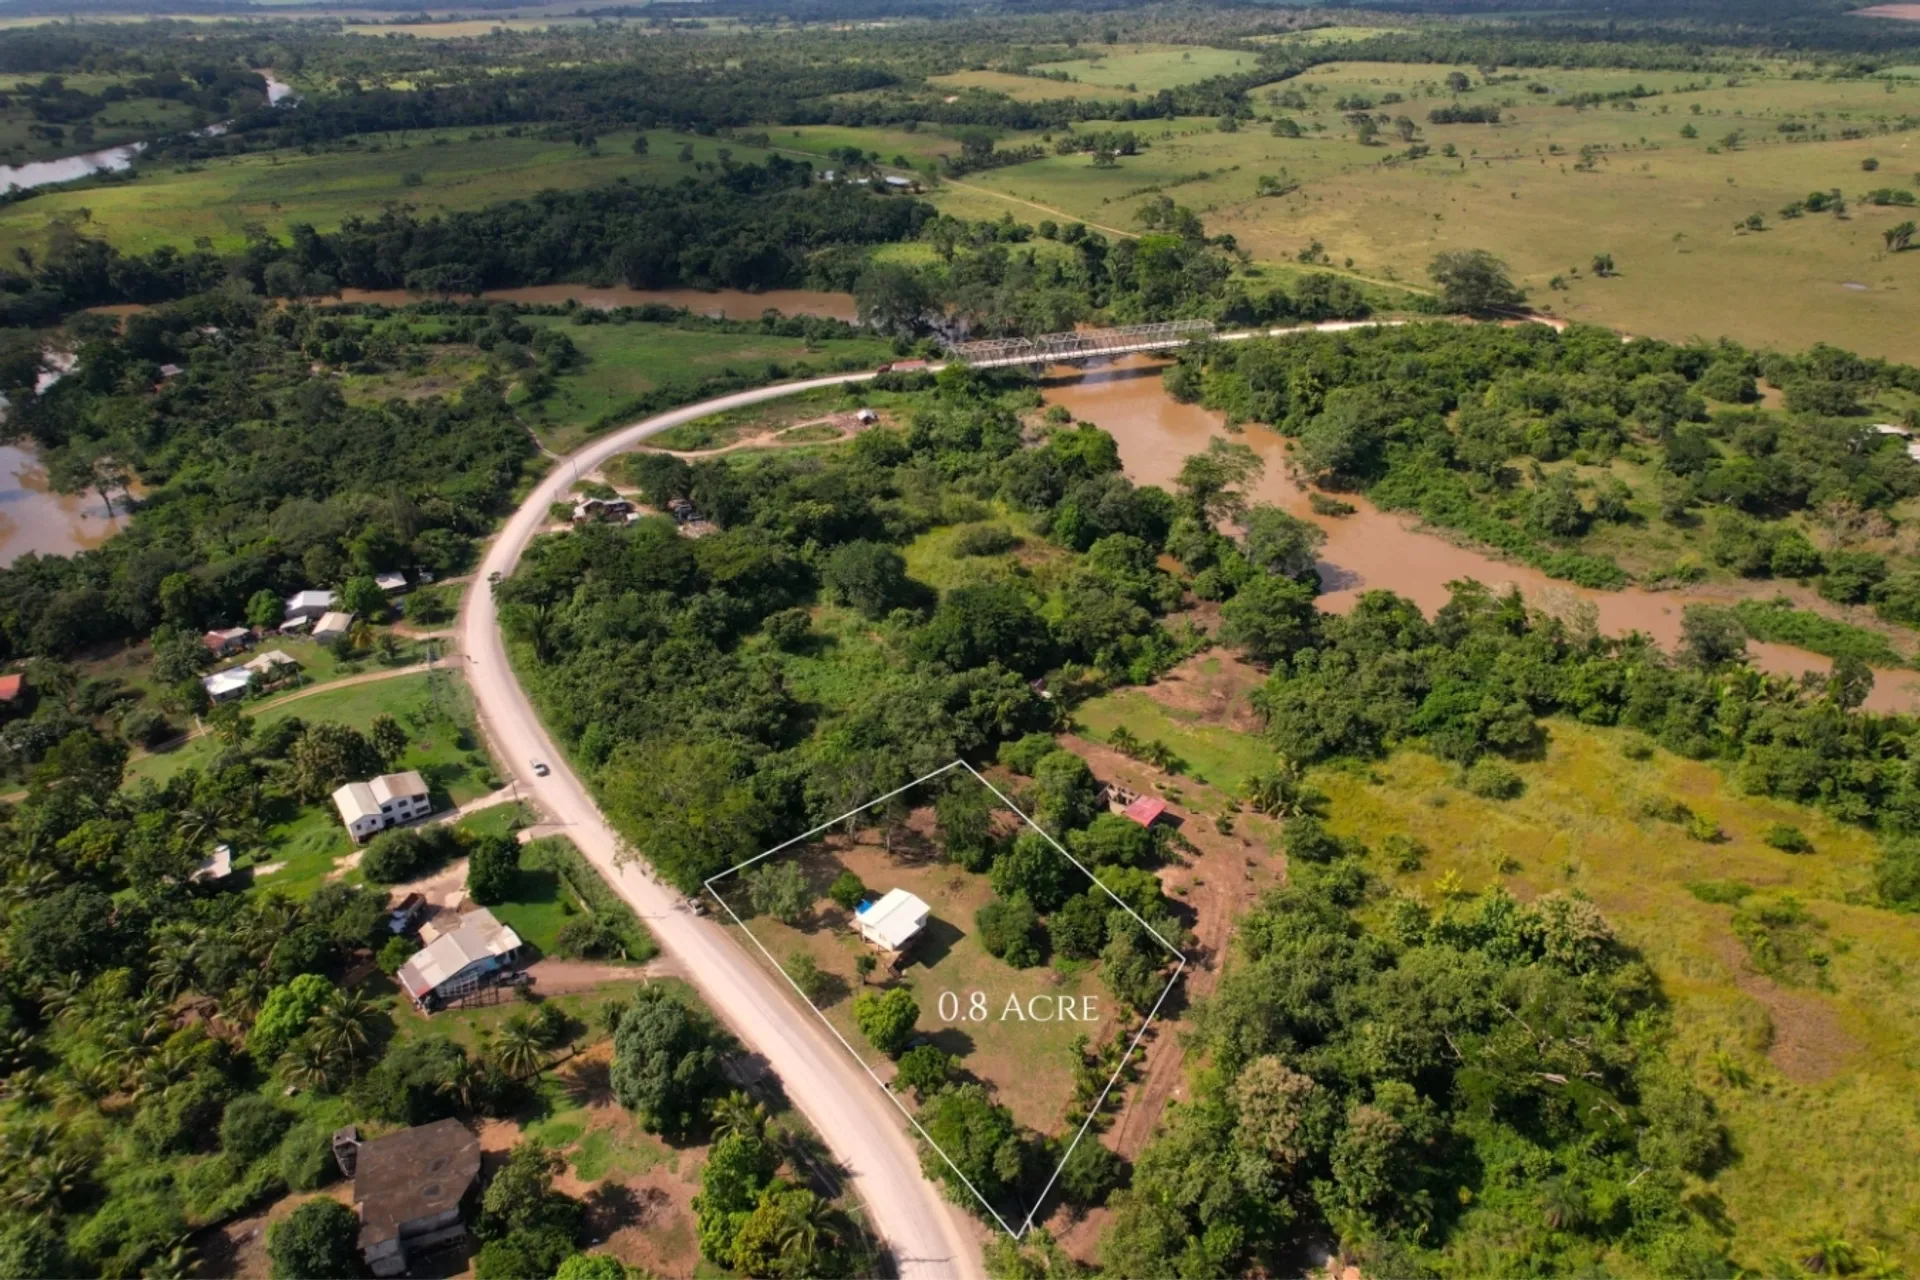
(928, 1236)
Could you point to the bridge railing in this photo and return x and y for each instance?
(1052, 348)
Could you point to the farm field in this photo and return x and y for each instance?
(625, 361)
(1664, 206)
(1149, 68)
(276, 189)
(1837, 1053)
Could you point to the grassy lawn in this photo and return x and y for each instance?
(305, 842)
(1027, 1063)
(1839, 1057)
(625, 361)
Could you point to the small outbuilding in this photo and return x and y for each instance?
(13, 689)
(271, 661)
(225, 686)
(222, 643)
(893, 922)
(332, 626)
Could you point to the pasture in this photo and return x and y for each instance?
(275, 189)
(1834, 1054)
(1550, 187)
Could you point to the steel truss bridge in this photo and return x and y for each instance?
(1089, 344)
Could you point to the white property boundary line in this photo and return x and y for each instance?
(1179, 968)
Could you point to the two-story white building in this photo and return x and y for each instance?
(386, 801)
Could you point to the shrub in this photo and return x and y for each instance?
(1403, 852)
(1491, 779)
(394, 953)
(409, 853)
(1079, 928)
(1010, 930)
(1637, 749)
(806, 975)
(1704, 829)
(306, 1157)
(1021, 756)
(493, 869)
(847, 890)
(788, 629)
(1090, 1173)
(1788, 838)
(1897, 874)
(1307, 839)
(984, 540)
(251, 1127)
(886, 1018)
(926, 1070)
(318, 1242)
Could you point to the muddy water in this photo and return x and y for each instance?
(1373, 549)
(730, 304)
(34, 518)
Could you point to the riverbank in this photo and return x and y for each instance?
(1375, 550)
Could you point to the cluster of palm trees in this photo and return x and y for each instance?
(1281, 791)
(1152, 752)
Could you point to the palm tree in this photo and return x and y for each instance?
(1123, 741)
(737, 1114)
(466, 1086)
(340, 1028)
(807, 1229)
(1280, 792)
(63, 996)
(172, 967)
(261, 930)
(244, 997)
(1828, 1254)
(517, 1048)
(175, 1262)
(308, 1065)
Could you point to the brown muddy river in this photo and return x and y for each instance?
(730, 304)
(1373, 549)
(34, 518)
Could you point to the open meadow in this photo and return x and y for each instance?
(1827, 1043)
(1664, 205)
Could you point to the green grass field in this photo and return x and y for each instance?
(625, 361)
(1149, 68)
(307, 840)
(1781, 1062)
(1661, 204)
(276, 189)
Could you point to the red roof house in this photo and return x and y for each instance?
(1146, 810)
(11, 687)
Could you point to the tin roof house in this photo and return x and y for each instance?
(460, 961)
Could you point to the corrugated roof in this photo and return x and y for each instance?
(479, 936)
(1146, 809)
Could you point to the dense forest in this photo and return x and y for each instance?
(1460, 424)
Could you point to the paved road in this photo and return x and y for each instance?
(929, 1237)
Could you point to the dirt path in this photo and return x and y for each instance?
(763, 440)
